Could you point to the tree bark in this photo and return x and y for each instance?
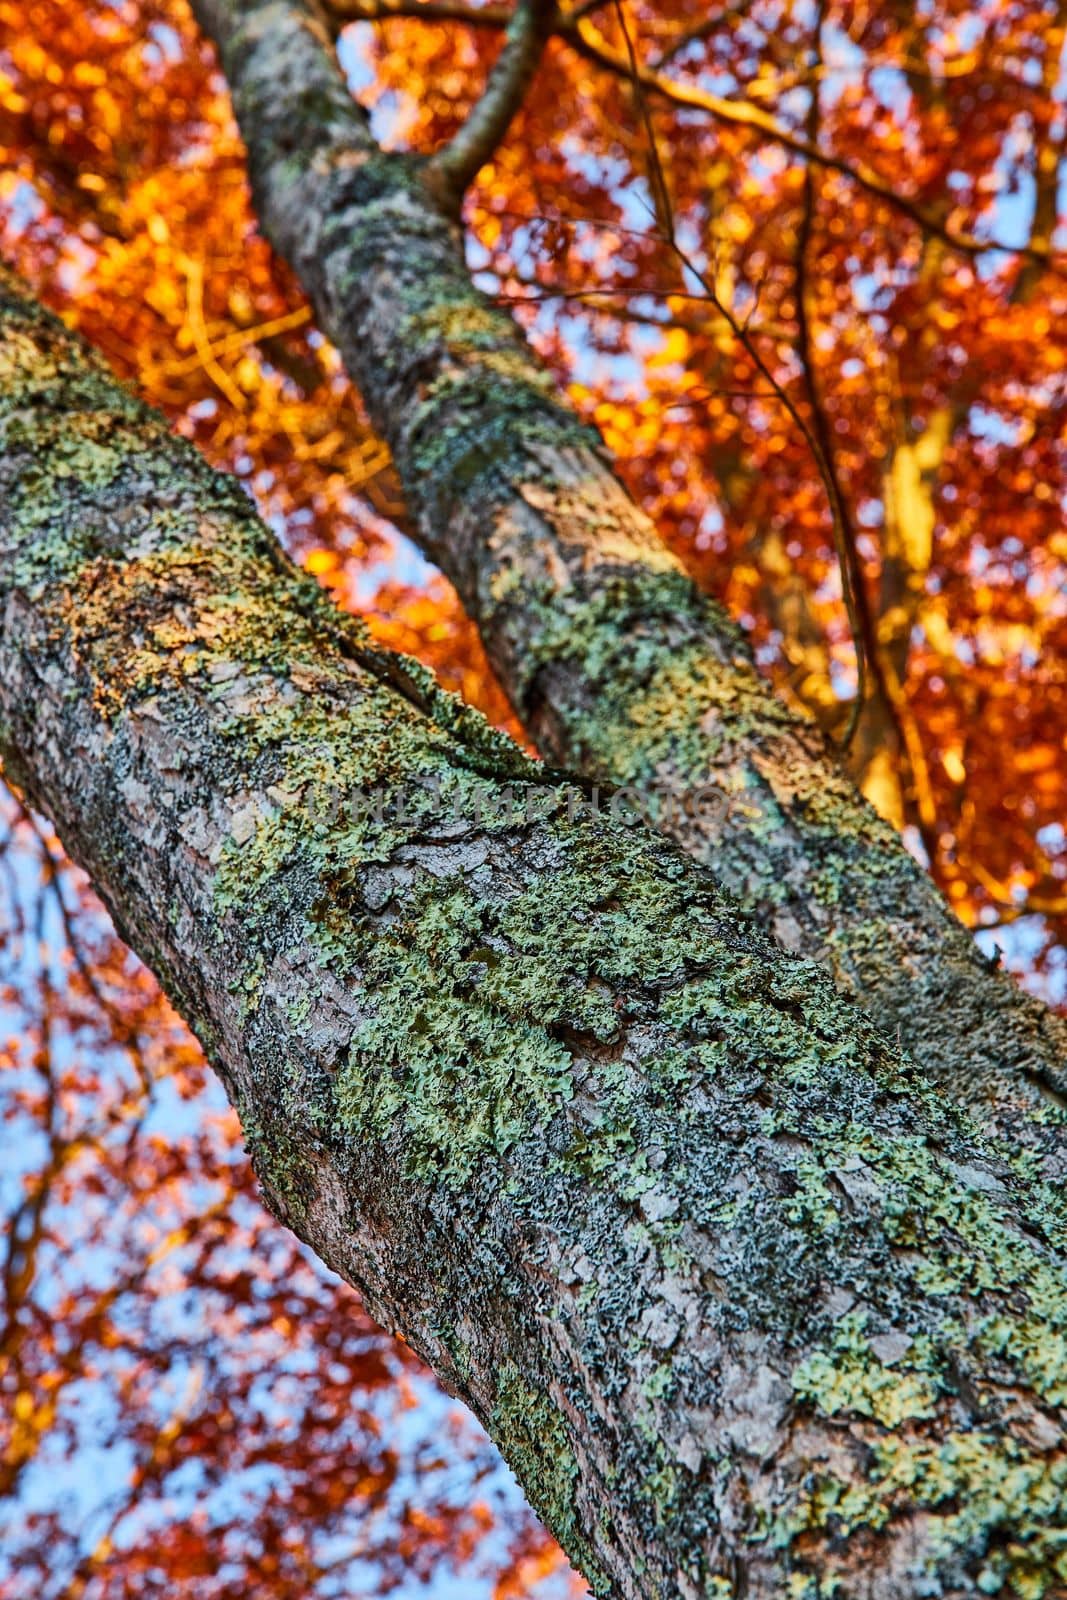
(743, 1301)
(616, 663)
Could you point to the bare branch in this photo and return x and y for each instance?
(343, 12)
(864, 633)
(454, 168)
(851, 578)
(594, 47)
(583, 37)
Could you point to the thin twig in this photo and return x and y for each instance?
(658, 178)
(582, 36)
(859, 612)
(744, 337)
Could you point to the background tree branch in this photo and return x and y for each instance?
(562, 573)
(453, 169)
(583, 36)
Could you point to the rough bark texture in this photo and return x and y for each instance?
(616, 663)
(748, 1308)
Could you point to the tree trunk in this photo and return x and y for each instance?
(615, 662)
(744, 1303)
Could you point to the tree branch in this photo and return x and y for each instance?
(585, 38)
(512, 497)
(344, 12)
(887, 684)
(844, 544)
(453, 169)
(865, 636)
(656, 1202)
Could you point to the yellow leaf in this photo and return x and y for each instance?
(320, 561)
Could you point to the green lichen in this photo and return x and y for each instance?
(805, 1586)
(279, 1159)
(849, 1378)
(534, 1440)
(659, 1382)
(462, 1042)
(991, 1507)
(481, 426)
(976, 1487)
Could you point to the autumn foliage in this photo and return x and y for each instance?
(189, 1403)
